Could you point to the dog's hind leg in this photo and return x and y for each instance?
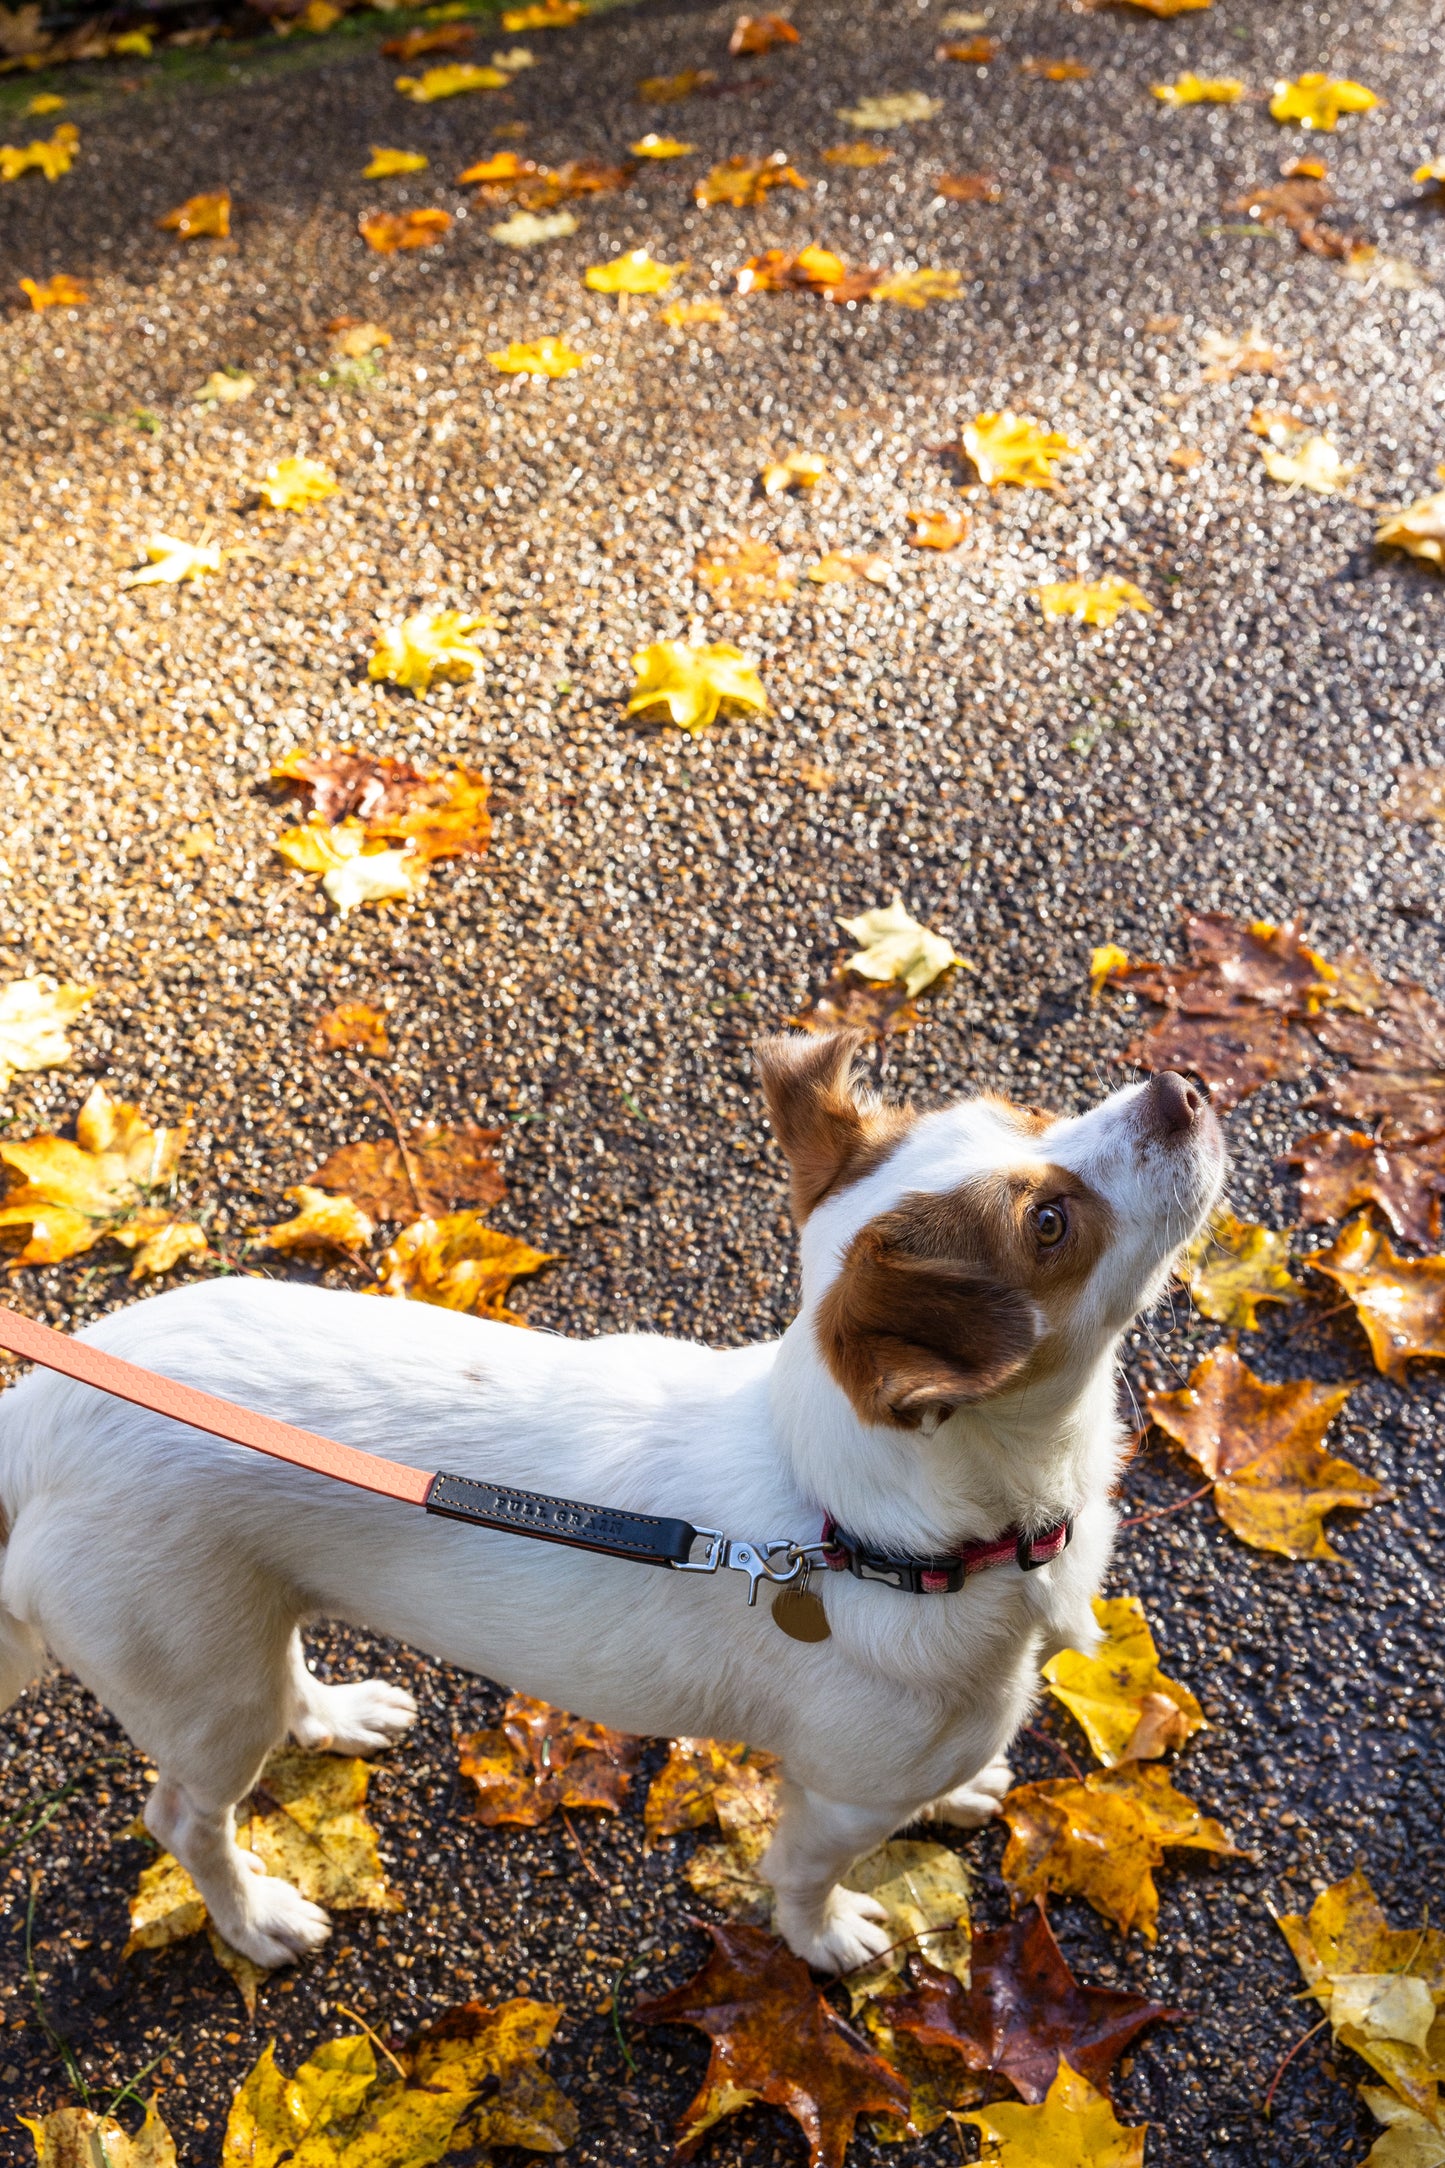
(360, 1717)
(817, 1842)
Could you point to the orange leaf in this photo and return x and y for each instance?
(1342, 1168)
(744, 574)
(973, 52)
(698, 1782)
(542, 1759)
(1100, 1837)
(441, 1170)
(672, 89)
(1055, 71)
(760, 33)
(937, 530)
(970, 187)
(352, 1026)
(59, 292)
(458, 1263)
(743, 181)
(388, 231)
(200, 216)
(1400, 1301)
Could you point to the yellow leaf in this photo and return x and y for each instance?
(693, 312)
(857, 154)
(672, 89)
(384, 163)
(1109, 1694)
(695, 683)
(634, 273)
(1005, 448)
(1316, 465)
(224, 387)
(539, 357)
(52, 157)
(653, 145)
(545, 15)
(1420, 529)
(290, 485)
(200, 217)
(526, 229)
(450, 82)
(71, 1194)
(1379, 1986)
(1411, 2140)
(1100, 1837)
(458, 1263)
(893, 945)
(697, 1777)
(846, 567)
(135, 42)
(1234, 1266)
(1075, 2127)
(354, 1025)
(35, 1015)
(744, 573)
(894, 110)
(323, 1225)
(390, 231)
(924, 1889)
(794, 471)
(1317, 101)
(172, 560)
(1190, 89)
(351, 872)
(742, 181)
(915, 289)
(1092, 602)
(46, 101)
(1104, 962)
(158, 1241)
(80, 2138)
(430, 644)
(59, 292)
(356, 342)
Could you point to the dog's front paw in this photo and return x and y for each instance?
(279, 1924)
(969, 1806)
(361, 1718)
(852, 1930)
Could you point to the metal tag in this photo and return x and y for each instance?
(800, 1615)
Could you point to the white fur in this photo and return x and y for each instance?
(172, 1571)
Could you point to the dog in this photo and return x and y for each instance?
(950, 1374)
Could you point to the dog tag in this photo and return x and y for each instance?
(800, 1614)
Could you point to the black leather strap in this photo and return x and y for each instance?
(640, 1536)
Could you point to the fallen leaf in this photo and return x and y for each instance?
(441, 1170)
(1007, 449)
(71, 1195)
(576, 177)
(1234, 966)
(653, 145)
(289, 485)
(171, 560)
(761, 33)
(443, 38)
(744, 181)
(970, 187)
(200, 217)
(47, 101)
(1419, 529)
(353, 869)
(1297, 202)
(672, 89)
(157, 1242)
(429, 645)
(916, 289)
(1021, 2012)
(1317, 101)
(1185, 458)
(924, 1890)
(775, 2039)
(1092, 602)
(1379, 1987)
(52, 157)
(59, 292)
(692, 312)
(539, 357)
(743, 574)
(323, 1226)
(1056, 71)
(77, 2137)
(1260, 1446)
(857, 154)
(879, 1009)
(632, 273)
(1191, 89)
(845, 568)
(972, 52)
(524, 229)
(541, 1759)
(545, 15)
(1233, 1266)
(225, 387)
(457, 1263)
(893, 945)
(1100, 1837)
(699, 1778)
(1343, 1168)
(778, 270)
(501, 170)
(1113, 1695)
(1399, 1301)
(694, 684)
(799, 471)
(337, 783)
(1075, 2127)
(939, 2083)
(937, 530)
(357, 341)
(36, 1013)
(1411, 2140)
(449, 81)
(384, 163)
(1316, 465)
(1397, 1060)
(355, 1027)
(390, 231)
(896, 109)
(1234, 1054)
(1229, 355)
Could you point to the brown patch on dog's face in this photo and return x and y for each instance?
(831, 1138)
(950, 1298)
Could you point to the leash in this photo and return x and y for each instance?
(642, 1538)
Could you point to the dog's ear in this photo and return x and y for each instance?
(913, 1339)
(830, 1133)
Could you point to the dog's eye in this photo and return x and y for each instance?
(1051, 1224)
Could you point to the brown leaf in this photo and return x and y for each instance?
(1400, 1301)
(1398, 1056)
(698, 1783)
(354, 1027)
(542, 1759)
(881, 1008)
(1234, 1054)
(340, 784)
(443, 1170)
(970, 187)
(1297, 204)
(1100, 1837)
(1260, 1446)
(774, 2038)
(1022, 2010)
(1234, 967)
(672, 89)
(1342, 1168)
(445, 38)
(760, 33)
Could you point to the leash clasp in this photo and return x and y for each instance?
(779, 1560)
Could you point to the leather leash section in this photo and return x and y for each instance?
(639, 1536)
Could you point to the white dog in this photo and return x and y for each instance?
(949, 1378)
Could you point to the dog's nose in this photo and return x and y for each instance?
(1174, 1103)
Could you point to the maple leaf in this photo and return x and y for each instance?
(1056, 71)
(845, 568)
(1419, 529)
(1260, 1446)
(337, 782)
(778, 270)
(880, 1010)
(1378, 1985)
(323, 1226)
(545, 15)
(200, 217)
(1020, 2012)
(353, 871)
(915, 289)
(52, 157)
(384, 163)
(1234, 967)
(1234, 1054)
(1229, 355)
(924, 1890)
(450, 80)
(672, 89)
(796, 472)
(289, 485)
(1316, 465)
(1075, 2127)
(1233, 1266)
(539, 357)
(893, 945)
(743, 181)
(1297, 202)
(970, 187)
(75, 2137)
(457, 1263)
(632, 273)
(1114, 1695)
(171, 560)
(695, 684)
(653, 145)
(895, 109)
(70, 1195)
(972, 52)
(225, 387)
(743, 574)
(937, 530)
(542, 1759)
(1343, 1168)
(524, 229)
(775, 2039)
(857, 154)
(698, 1779)
(428, 645)
(59, 292)
(761, 33)
(1100, 1837)
(1005, 448)
(1092, 602)
(35, 1015)
(390, 231)
(1317, 101)
(441, 1169)
(1398, 1063)
(1399, 1301)
(693, 312)
(356, 1027)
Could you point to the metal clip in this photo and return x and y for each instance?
(756, 1561)
(711, 1559)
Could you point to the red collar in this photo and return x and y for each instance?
(941, 1576)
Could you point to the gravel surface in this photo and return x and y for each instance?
(650, 903)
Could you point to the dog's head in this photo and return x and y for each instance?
(952, 1257)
